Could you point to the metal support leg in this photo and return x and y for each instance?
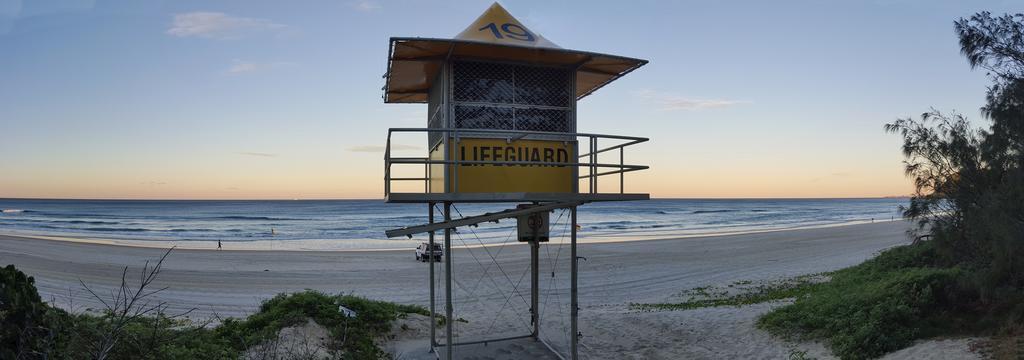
(448, 282)
(574, 296)
(433, 312)
(535, 287)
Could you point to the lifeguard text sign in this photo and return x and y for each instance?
(534, 166)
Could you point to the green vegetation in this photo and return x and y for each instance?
(21, 310)
(964, 274)
(882, 305)
(738, 294)
(969, 197)
(796, 354)
(352, 335)
(141, 329)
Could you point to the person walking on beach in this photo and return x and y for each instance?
(218, 244)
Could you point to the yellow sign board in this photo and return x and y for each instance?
(538, 174)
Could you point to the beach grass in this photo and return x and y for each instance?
(739, 293)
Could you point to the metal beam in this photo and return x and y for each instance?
(573, 291)
(448, 282)
(408, 92)
(499, 131)
(433, 311)
(535, 287)
(486, 341)
(584, 197)
(466, 221)
(552, 349)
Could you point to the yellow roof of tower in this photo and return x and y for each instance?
(414, 62)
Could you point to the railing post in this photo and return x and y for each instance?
(590, 167)
(453, 162)
(387, 165)
(593, 164)
(622, 170)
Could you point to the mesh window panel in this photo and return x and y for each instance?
(543, 86)
(435, 113)
(483, 117)
(511, 97)
(482, 82)
(552, 120)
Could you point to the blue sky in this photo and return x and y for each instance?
(251, 99)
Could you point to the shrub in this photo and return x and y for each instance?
(31, 329)
(879, 306)
(22, 313)
(969, 183)
(352, 337)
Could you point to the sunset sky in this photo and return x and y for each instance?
(282, 100)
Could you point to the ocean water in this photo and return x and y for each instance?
(360, 224)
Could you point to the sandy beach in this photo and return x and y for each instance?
(232, 283)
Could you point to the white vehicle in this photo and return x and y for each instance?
(422, 254)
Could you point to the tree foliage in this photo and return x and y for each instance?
(970, 182)
(21, 312)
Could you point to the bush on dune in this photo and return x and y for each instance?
(877, 307)
(32, 329)
(353, 337)
(21, 311)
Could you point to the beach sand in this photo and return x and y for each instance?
(233, 283)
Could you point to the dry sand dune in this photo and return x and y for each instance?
(232, 283)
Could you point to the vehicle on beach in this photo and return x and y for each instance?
(423, 254)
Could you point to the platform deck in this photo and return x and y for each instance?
(508, 197)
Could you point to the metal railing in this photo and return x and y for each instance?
(594, 168)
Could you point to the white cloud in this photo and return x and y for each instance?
(380, 148)
(215, 25)
(682, 103)
(366, 5)
(242, 67)
(669, 101)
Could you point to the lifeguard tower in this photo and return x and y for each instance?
(501, 128)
